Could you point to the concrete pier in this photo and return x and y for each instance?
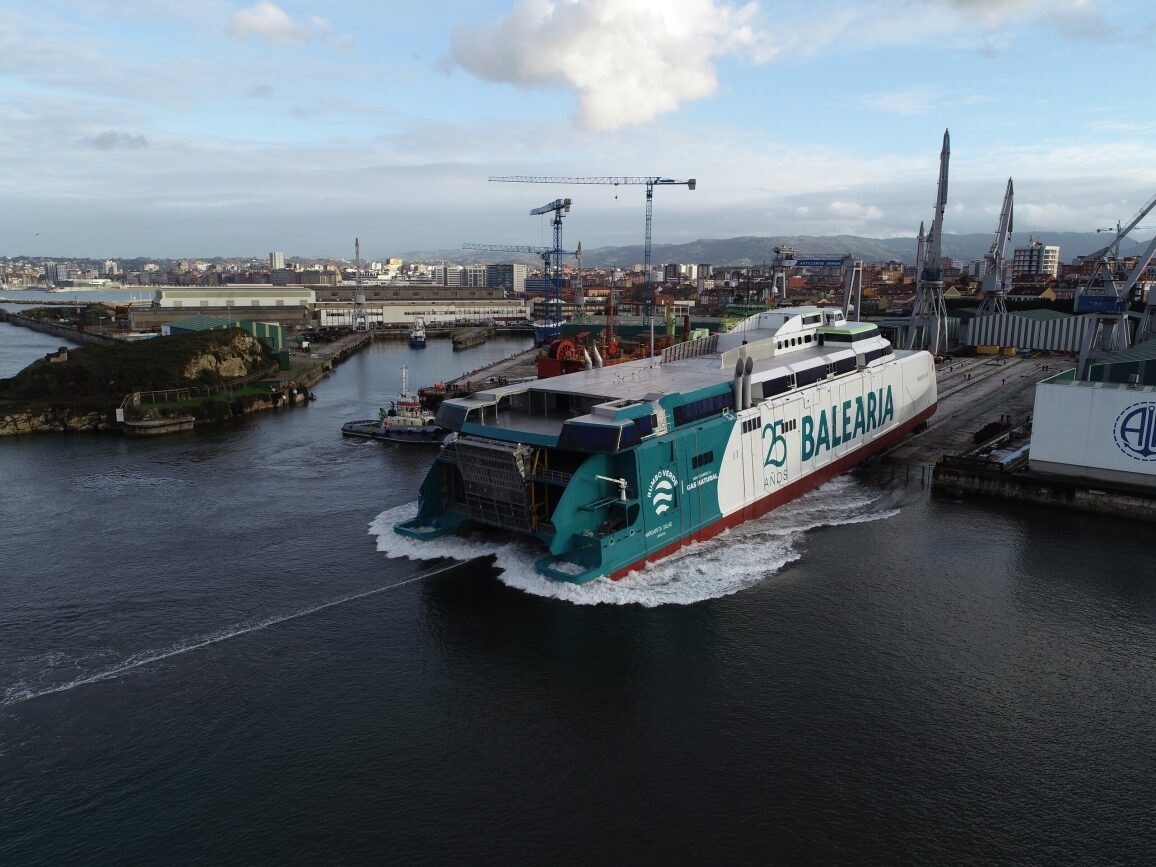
(974, 392)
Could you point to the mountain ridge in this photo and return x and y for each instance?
(749, 250)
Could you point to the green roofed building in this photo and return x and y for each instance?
(269, 333)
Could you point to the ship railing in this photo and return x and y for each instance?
(691, 349)
(607, 502)
(552, 477)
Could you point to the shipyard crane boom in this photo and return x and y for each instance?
(1114, 247)
(929, 312)
(1107, 296)
(650, 183)
(542, 252)
(1109, 306)
(994, 290)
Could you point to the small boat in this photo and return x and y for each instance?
(405, 421)
(417, 335)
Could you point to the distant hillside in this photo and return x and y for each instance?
(754, 250)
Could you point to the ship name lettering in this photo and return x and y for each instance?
(845, 422)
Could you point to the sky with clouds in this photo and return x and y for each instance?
(164, 128)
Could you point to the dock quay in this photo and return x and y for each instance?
(976, 445)
(517, 367)
(973, 393)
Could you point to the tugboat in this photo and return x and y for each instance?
(417, 335)
(405, 421)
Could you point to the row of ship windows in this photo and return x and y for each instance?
(793, 341)
(752, 424)
(702, 460)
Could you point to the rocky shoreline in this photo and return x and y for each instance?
(230, 360)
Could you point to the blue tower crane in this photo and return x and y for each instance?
(650, 183)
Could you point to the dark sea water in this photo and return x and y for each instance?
(212, 651)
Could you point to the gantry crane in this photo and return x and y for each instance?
(849, 267)
(650, 183)
(1108, 295)
(994, 286)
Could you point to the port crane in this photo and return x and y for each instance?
(650, 183)
(929, 312)
(994, 287)
(551, 325)
(1108, 293)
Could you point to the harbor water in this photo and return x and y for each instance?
(214, 650)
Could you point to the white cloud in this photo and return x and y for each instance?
(267, 21)
(1079, 18)
(855, 211)
(627, 61)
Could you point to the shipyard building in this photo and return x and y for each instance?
(1102, 428)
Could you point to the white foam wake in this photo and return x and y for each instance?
(732, 561)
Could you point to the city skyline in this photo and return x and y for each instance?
(167, 130)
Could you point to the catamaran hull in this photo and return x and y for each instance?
(780, 497)
(664, 456)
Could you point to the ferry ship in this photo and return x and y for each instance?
(615, 467)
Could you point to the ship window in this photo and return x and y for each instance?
(696, 409)
(645, 425)
(451, 416)
(812, 318)
(630, 437)
(810, 375)
(589, 438)
(844, 365)
(702, 460)
(776, 386)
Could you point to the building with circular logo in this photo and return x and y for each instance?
(1135, 431)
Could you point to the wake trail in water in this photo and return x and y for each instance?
(18, 693)
(733, 561)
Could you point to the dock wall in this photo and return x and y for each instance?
(960, 477)
(62, 331)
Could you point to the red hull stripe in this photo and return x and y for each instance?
(784, 495)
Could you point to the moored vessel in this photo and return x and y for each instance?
(417, 335)
(613, 467)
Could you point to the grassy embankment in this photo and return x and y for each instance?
(97, 378)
